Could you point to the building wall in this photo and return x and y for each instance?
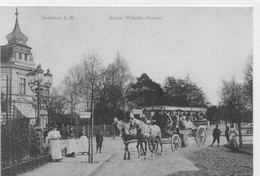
(21, 93)
(17, 74)
(16, 62)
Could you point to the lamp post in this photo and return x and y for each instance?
(38, 82)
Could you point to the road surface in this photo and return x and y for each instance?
(190, 160)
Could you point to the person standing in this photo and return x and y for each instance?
(233, 135)
(45, 134)
(216, 135)
(54, 144)
(227, 134)
(71, 147)
(83, 142)
(99, 140)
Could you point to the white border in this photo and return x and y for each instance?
(168, 3)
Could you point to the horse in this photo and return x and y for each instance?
(147, 132)
(127, 136)
(140, 142)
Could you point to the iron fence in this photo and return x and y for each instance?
(21, 147)
(106, 130)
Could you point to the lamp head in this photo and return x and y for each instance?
(48, 79)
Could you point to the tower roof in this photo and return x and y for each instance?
(16, 36)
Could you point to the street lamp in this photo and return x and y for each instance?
(38, 81)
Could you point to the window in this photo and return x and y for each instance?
(22, 86)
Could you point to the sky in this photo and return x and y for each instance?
(210, 44)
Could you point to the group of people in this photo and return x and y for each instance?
(185, 119)
(72, 147)
(230, 133)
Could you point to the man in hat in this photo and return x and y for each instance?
(115, 120)
(54, 143)
(216, 135)
(99, 141)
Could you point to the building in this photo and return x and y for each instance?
(17, 99)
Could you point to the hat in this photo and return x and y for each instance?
(115, 120)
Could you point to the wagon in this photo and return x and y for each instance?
(175, 131)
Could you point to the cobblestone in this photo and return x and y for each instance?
(188, 161)
(217, 161)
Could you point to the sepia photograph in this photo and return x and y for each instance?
(127, 90)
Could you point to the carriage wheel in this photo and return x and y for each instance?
(153, 145)
(175, 142)
(201, 136)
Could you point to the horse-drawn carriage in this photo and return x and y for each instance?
(176, 124)
(163, 124)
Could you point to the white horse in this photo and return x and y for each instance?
(147, 132)
(129, 136)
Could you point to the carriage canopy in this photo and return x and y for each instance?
(175, 108)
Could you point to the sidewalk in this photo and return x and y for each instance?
(77, 166)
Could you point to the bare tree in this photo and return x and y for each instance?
(248, 84)
(57, 102)
(90, 83)
(119, 78)
(72, 87)
(231, 96)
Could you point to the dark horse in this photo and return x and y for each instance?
(128, 137)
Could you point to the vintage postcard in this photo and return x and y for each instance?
(128, 90)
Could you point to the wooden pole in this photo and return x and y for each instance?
(92, 130)
(239, 130)
(89, 140)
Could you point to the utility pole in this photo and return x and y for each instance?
(89, 140)
(92, 114)
(92, 130)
